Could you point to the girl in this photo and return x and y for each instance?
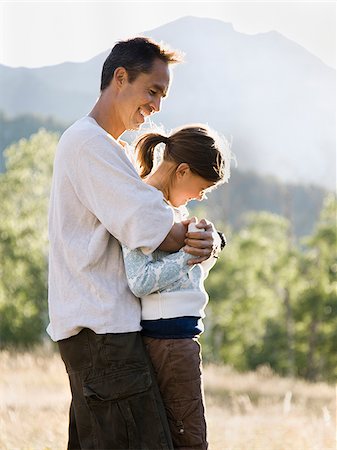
(171, 291)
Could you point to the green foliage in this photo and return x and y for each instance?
(23, 126)
(273, 302)
(317, 305)
(24, 190)
(258, 265)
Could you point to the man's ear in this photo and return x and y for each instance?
(182, 170)
(120, 76)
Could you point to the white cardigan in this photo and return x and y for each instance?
(167, 286)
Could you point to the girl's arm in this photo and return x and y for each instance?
(146, 276)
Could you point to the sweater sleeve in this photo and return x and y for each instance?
(146, 276)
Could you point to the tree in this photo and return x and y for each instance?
(23, 126)
(317, 308)
(24, 190)
(275, 303)
(249, 288)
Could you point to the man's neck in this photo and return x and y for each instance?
(106, 118)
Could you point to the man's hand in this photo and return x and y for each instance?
(200, 244)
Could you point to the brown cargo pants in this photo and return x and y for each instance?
(116, 403)
(177, 365)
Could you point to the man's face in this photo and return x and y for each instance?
(142, 97)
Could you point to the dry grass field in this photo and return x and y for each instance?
(252, 411)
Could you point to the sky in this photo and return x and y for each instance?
(35, 34)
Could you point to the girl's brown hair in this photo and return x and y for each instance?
(195, 145)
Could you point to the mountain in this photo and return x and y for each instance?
(64, 91)
(273, 97)
(270, 95)
(226, 205)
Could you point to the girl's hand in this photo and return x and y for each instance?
(200, 244)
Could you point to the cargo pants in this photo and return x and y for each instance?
(178, 368)
(116, 402)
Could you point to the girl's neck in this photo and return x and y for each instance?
(160, 179)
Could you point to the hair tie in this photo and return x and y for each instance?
(165, 139)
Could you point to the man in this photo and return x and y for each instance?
(98, 199)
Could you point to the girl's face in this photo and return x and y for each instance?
(187, 186)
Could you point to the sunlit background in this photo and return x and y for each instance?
(263, 75)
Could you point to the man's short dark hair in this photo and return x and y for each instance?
(136, 56)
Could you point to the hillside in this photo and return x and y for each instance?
(227, 205)
(23, 126)
(246, 192)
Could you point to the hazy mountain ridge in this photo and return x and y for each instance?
(272, 96)
(247, 191)
(228, 204)
(278, 99)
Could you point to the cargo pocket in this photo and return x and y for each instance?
(187, 424)
(186, 416)
(121, 404)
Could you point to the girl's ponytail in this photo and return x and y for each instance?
(145, 147)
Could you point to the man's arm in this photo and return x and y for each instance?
(106, 184)
(175, 239)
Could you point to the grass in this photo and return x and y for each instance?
(251, 411)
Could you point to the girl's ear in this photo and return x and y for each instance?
(182, 170)
(120, 76)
